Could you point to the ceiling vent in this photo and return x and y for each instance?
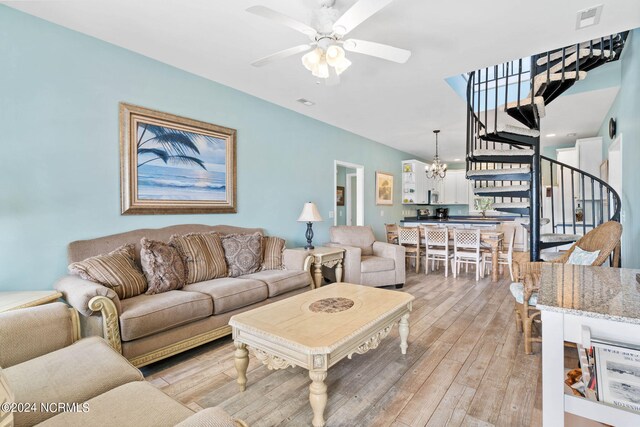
(588, 17)
(306, 102)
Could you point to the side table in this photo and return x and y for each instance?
(329, 257)
(21, 299)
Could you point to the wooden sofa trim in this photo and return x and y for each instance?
(110, 322)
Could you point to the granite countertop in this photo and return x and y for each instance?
(461, 220)
(601, 292)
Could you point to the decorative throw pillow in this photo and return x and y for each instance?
(272, 248)
(581, 257)
(162, 265)
(6, 396)
(243, 253)
(116, 270)
(202, 254)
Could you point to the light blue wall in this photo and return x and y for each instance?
(59, 168)
(626, 110)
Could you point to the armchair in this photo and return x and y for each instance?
(367, 261)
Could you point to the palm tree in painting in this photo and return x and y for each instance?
(171, 145)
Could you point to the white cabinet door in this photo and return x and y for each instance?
(449, 189)
(462, 189)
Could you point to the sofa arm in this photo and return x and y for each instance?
(32, 332)
(296, 260)
(110, 321)
(77, 292)
(211, 417)
(397, 253)
(351, 264)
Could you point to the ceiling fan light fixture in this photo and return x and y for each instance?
(311, 59)
(342, 65)
(335, 54)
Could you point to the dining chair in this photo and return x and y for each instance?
(504, 257)
(466, 250)
(409, 237)
(392, 233)
(437, 248)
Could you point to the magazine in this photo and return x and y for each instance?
(618, 375)
(585, 356)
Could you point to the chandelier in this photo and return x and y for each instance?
(319, 60)
(437, 170)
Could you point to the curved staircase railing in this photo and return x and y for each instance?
(505, 106)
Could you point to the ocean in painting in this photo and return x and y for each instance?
(175, 164)
(172, 183)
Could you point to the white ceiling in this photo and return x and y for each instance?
(397, 105)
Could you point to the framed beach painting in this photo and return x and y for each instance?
(384, 188)
(173, 165)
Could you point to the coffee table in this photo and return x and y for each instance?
(317, 329)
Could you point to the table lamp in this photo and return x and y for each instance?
(309, 215)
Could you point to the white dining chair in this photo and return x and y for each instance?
(437, 248)
(466, 250)
(409, 237)
(504, 257)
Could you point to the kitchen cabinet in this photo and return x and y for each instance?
(414, 182)
(455, 188)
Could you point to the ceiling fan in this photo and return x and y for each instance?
(325, 56)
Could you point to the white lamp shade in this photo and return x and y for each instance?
(310, 213)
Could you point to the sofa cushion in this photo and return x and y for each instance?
(281, 281)
(243, 253)
(134, 404)
(202, 254)
(357, 236)
(162, 265)
(6, 396)
(370, 264)
(230, 293)
(147, 314)
(116, 270)
(272, 248)
(209, 417)
(75, 373)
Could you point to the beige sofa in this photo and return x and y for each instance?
(147, 328)
(46, 365)
(366, 261)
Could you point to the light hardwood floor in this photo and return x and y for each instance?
(465, 366)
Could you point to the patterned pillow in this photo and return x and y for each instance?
(243, 253)
(581, 257)
(202, 254)
(6, 396)
(116, 270)
(272, 248)
(163, 266)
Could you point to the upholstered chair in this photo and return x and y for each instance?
(367, 261)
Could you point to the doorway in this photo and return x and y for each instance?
(348, 191)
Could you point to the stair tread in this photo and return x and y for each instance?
(502, 127)
(503, 189)
(538, 102)
(543, 77)
(506, 171)
(570, 55)
(558, 237)
(511, 205)
(491, 152)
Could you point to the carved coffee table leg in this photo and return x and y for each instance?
(339, 271)
(241, 362)
(403, 328)
(318, 396)
(317, 274)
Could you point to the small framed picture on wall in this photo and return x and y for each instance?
(384, 188)
(340, 195)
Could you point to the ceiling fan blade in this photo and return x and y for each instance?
(379, 50)
(357, 14)
(283, 19)
(280, 55)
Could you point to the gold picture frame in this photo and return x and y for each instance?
(384, 188)
(175, 165)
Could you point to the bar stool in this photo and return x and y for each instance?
(437, 248)
(409, 237)
(466, 250)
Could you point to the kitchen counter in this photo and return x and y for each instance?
(600, 292)
(460, 220)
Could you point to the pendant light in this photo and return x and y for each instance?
(437, 170)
